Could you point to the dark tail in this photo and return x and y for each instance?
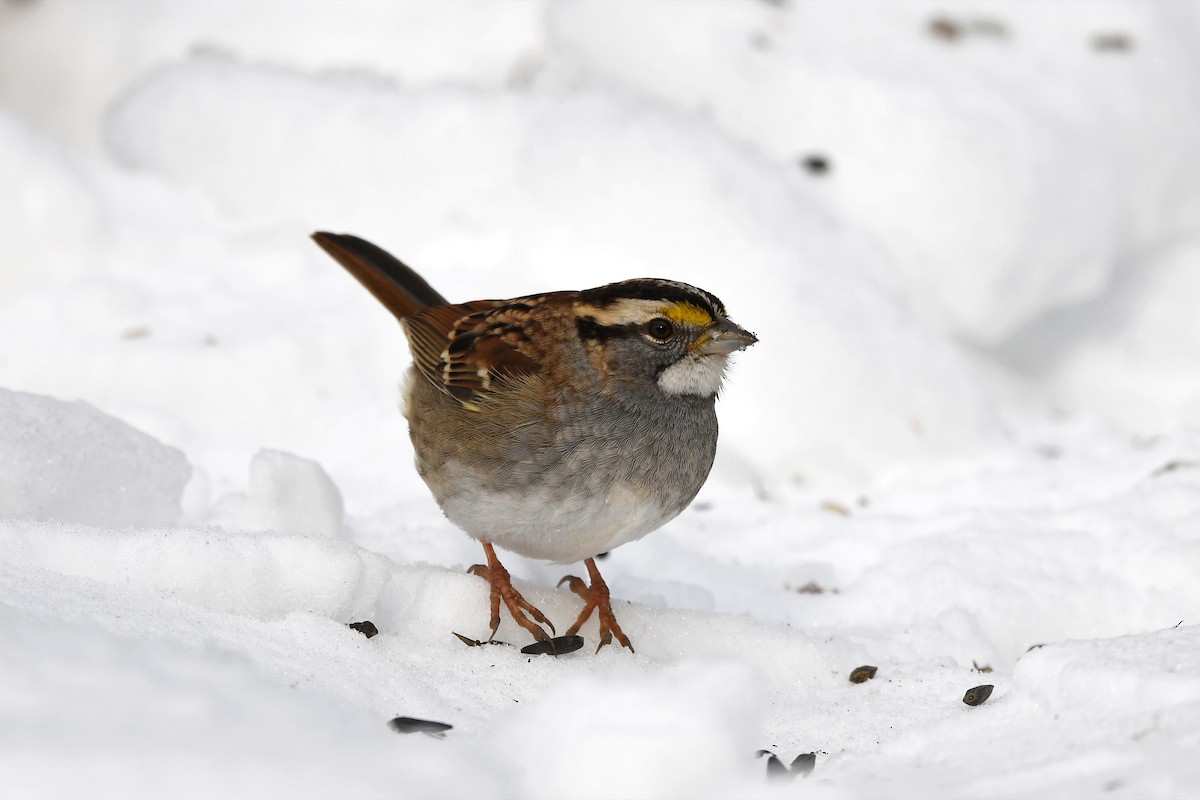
(401, 290)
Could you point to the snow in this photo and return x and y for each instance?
(71, 463)
(968, 439)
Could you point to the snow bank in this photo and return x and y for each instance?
(1088, 543)
(1080, 719)
(990, 154)
(263, 575)
(652, 734)
(53, 216)
(117, 701)
(1131, 355)
(67, 62)
(68, 462)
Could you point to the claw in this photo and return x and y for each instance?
(502, 589)
(596, 598)
(469, 642)
(576, 585)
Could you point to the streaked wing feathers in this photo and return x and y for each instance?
(466, 348)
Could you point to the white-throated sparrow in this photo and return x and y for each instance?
(559, 425)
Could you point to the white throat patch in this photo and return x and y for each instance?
(701, 376)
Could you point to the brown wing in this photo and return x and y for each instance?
(469, 347)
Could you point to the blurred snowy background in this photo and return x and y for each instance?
(967, 234)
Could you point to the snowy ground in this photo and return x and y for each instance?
(966, 450)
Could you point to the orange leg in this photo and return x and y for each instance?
(595, 598)
(502, 589)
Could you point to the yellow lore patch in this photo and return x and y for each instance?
(687, 313)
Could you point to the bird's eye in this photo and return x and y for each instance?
(660, 329)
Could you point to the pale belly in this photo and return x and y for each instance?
(551, 525)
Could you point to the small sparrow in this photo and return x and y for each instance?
(559, 425)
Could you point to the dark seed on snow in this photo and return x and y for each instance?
(816, 165)
(977, 694)
(366, 628)
(804, 763)
(554, 647)
(414, 725)
(863, 674)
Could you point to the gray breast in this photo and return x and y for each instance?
(570, 485)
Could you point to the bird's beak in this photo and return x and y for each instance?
(723, 338)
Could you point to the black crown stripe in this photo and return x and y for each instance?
(650, 289)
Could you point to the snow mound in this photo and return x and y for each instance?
(1077, 719)
(1147, 333)
(262, 575)
(69, 462)
(417, 42)
(153, 717)
(1130, 674)
(53, 216)
(287, 494)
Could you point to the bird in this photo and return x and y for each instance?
(557, 426)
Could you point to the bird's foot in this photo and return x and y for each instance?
(596, 598)
(502, 590)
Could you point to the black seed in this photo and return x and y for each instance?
(554, 647)
(863, 674)
(366, 628)
(803, 763)
(414, 725)
(815, 164)
(977, 694)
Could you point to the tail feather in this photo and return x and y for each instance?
(401, 290)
